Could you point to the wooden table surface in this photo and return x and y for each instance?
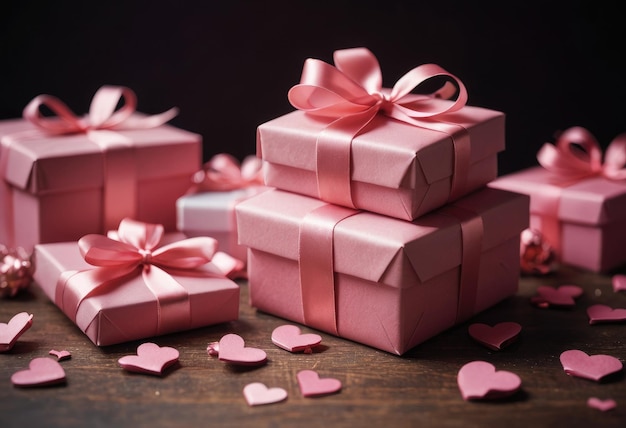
(379, 389)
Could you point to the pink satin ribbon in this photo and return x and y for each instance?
(223, 173)
(135, 252)
(352, 94)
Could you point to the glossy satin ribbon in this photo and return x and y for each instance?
(136, 253)
(351, 93)
(223, 173)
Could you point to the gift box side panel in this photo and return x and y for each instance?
(598, 249)
(156, 200)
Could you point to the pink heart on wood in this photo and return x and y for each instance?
(496, 337)
(61, 355)
(564, 295)
(480, 380)
(619, 283)
(150, 359)
(311, 385)
(603, 405)
(232, 350)
(11, 331)
(40, 372)
(602, 314)
(258, 394)
(594, 367)
(290, 338)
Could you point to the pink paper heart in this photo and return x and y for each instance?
(480, 380)
(496, 337)
(40, 372)
(290, 338)
(619, 283)
(311, 385)
(602, 313)
(232, 350)
(258, 394)
(594, 367)
(150, 359)
(603, 405)
(61, 355)
(11, 331)
(564, 295)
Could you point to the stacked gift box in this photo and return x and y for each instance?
(380, 228)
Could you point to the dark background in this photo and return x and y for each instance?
(229, 64)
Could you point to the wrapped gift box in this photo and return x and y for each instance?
(57, 188)
(126, 309)
(583, 220)
(393, 283)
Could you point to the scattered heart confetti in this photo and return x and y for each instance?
(594, 367)
(311, 385)
(563, 296)
(619, 283)
(61, 355)
(41, 372)
(290, 338)
(602, 405)
(150, 359)
(213, 349)
(258, 394)
(497, 337)
(480, 380)
(232, 349)
(11, 331)
(603, 314)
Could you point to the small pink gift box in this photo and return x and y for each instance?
(355, 144)
(578, 205)
(387, 283)
(66, 177)
(132, 288)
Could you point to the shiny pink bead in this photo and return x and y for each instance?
(16, 270)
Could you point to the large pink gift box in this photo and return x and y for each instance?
(112, 308)
(57, 187)
(390, 152)
(387, 283)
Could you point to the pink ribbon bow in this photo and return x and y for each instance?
(223, 172)
(577, 154)
(352, 93)
(135, 253)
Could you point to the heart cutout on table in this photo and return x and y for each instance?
(40, 372)
(496, 337)
(257, 394)
(11, 331)
(290, 338)
(61, 355)
(594, 367)
(232, 349)
(602, 405)
(603, 314)
(150, 359)
(562, 296)
(311, 385)
(619, 283)
(480, 380)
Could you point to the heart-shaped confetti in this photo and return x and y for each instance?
(40, 372)
(150, 359)
(619, 283)
(311, 385)
(258, 394)
(232, 349)
(563, 296)
(290, 338)
(594, 367)
(496, 337)
(480, 380)
(61, 355)
(603, 314)
(11, 331)
(602, 405)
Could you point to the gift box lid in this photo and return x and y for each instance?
(378, 248)
(590, 201)
(39, 163)
(388, 152)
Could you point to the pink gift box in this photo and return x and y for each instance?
(128, 310)
(396, 283)
(583, 220)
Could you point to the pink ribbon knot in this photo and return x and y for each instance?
(351, 92)
(576, 154)
(223, 173)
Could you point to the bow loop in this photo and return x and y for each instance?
(223, 172)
